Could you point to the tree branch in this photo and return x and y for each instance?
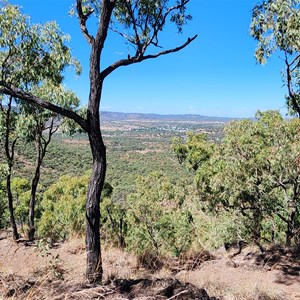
(282, 217)
(293, 62)
(131, 13)
(106, 12)
(29, 98)
(289, 86)
(159, 25)
(82, 21)
(133, 60)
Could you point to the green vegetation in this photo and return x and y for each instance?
(247, 182)
(33, 58)
(275, 26)
(32, 54)
(137, 155)
(253, 172)
(159, 219)
(63, 208)
(240, 186)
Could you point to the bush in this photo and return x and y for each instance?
(63, 207)
(159, 222)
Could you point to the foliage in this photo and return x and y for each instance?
(159, 220)
(196, 151)
(213, 230)
(20, 189)
(255, 171)
(40, 73)
(21, 193)
(43, 46)
(63, 206)
(140, 23)
(113, 220)
(276, 26)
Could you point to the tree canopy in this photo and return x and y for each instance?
(253, 171)
(276, 26)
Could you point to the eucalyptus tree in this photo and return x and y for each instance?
(20, 120)
(38, 126)
(276, 27)
(140, 23)
(260, 174)
(40, 73)
(254, 172)
(8, 132)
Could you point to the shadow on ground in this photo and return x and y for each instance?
(286, 260)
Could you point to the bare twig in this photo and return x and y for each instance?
(133, 60)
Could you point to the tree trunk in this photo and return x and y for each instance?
(94, 269)
(292, 95)
(289, 235)
(9, 152)
(41, 145)
(290, 229)
(256, 229)
(34, 185)
(11, 207)
(121, 235)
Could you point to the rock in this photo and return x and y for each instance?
(232, 264)
(160, 289)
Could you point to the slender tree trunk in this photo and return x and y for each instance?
(290, 229)
(34, 185)
(11, 207)
(9, 152)
(121, 235)
(292, 95)
(256, 230)
(289, 235)
(41, 145)
(94, 269)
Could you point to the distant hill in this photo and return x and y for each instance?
(119, 116)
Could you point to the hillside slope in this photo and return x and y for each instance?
(32, 272)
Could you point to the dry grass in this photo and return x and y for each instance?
(119, 264)
(49, 287)
(243, 278)
(243, 292)
(62, 275)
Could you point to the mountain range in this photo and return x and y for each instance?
(120, 116)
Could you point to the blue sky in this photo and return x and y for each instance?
(216, 75)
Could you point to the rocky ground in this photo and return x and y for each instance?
(33, 271)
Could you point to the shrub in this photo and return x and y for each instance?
(159, 222)
(63, 207)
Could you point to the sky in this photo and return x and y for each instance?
(216, 75)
